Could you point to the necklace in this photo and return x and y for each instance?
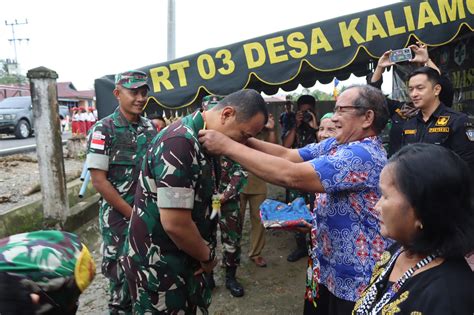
(216, 174)
(370, 297)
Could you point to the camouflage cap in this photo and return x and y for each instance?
(210, 101)
(132, 79)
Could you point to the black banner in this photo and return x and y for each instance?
(457, 60)
(303, 55)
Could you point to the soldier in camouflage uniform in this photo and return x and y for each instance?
(233, 178)
(172, 237)
(53, 266)
(301, 135)
(116, 148)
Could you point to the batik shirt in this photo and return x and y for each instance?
(346, 240)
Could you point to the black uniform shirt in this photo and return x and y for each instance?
(445, 127)
(399, 116)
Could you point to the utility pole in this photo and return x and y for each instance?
(171, 30)
(14, 39)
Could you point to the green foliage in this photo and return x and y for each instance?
(322, 96)
(12, 79)
(342, 89)
(318, 95)
(9, 78)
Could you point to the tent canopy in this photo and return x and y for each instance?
(302, 55)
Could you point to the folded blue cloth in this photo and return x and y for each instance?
(279, 215)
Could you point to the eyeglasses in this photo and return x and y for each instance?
(343, 109)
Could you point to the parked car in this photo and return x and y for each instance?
(63, 112)
(16, 116)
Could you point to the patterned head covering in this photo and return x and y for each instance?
(132, 79)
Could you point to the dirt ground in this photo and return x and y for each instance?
(19, 178)
(275, 289)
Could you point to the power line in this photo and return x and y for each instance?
(14, 39)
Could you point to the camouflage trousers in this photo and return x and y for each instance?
(292, 194)
(230, 224)
(113, 229)
(168, 286)
(302, 239)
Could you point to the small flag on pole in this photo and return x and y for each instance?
(335, 92)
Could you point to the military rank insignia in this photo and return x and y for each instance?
(442, 121)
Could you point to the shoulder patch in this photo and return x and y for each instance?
(399, 112)
(470, 132)
(98, 135)
(97, 141)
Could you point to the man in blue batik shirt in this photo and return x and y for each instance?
(344, 173)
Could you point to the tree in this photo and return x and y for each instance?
(321, 96)
(9, 78)
(318, 95)
(343, 88)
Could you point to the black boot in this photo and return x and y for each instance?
(301, 248)
(210, 280)
(231, 283)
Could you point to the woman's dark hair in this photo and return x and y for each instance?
(436, 183)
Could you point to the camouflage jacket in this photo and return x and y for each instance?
(118, 146)
(175, 174)
(53, 261)
(233, 179)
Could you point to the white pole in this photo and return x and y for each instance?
(171, 30)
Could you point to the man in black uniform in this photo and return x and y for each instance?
(400, 112)
(435, 122)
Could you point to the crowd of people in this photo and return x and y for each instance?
(388, 236)
(82, 120)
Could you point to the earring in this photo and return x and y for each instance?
(420, 226)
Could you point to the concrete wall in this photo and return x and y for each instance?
(29, 217)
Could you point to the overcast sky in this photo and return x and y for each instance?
(84, 40)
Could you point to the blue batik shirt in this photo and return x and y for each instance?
(345, 237)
